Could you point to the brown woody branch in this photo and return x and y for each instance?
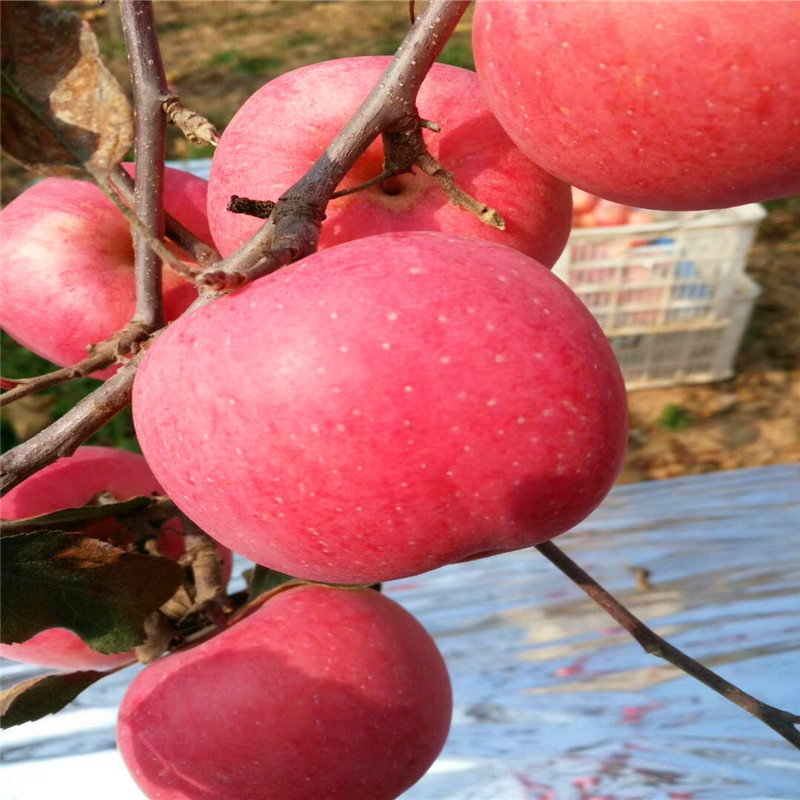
(149, 86)
(102, 355)
(783, 722)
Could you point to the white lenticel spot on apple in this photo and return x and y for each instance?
(391, 316)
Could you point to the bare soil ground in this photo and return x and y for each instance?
(217, 53)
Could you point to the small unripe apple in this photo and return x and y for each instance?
(68, 264)
(320, 693)
(285, 126)
(71, 483)
(385, 407)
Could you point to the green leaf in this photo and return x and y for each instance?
(55, 579)
(62, 111)
(38, 697)
(264, 579)
(72, 518)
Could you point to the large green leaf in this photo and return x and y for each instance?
(55, 579)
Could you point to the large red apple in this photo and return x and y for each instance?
(321, 693)
(673, 104)
(71, 483)
(385, 407)
(67, 275)
(284, 127)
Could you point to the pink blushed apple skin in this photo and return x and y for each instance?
(71, 483)
(67, 276)
(320, 693)
(386, 407)
(285, 126)
(668, 105)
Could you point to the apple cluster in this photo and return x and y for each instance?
(421, 391)
(589, 211)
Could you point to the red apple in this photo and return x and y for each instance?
(70, 483)
(385, 407)
(68, 267)
(283, 128)
(674, 104)
(320, 693)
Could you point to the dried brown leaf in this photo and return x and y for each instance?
(62, 110)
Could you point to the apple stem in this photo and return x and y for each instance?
(446, 180)
(783, 722)
(202, 556)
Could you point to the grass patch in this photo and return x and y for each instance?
(241, 63)
(458, 54)
(675, 417)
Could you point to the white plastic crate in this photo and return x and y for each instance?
(682, 268)
(688, 352)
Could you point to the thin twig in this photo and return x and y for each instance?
(149, 86)
(194, 246)
(65, 435)
(783, 722)
(384, 176)
(103, 355)
(194, 127)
